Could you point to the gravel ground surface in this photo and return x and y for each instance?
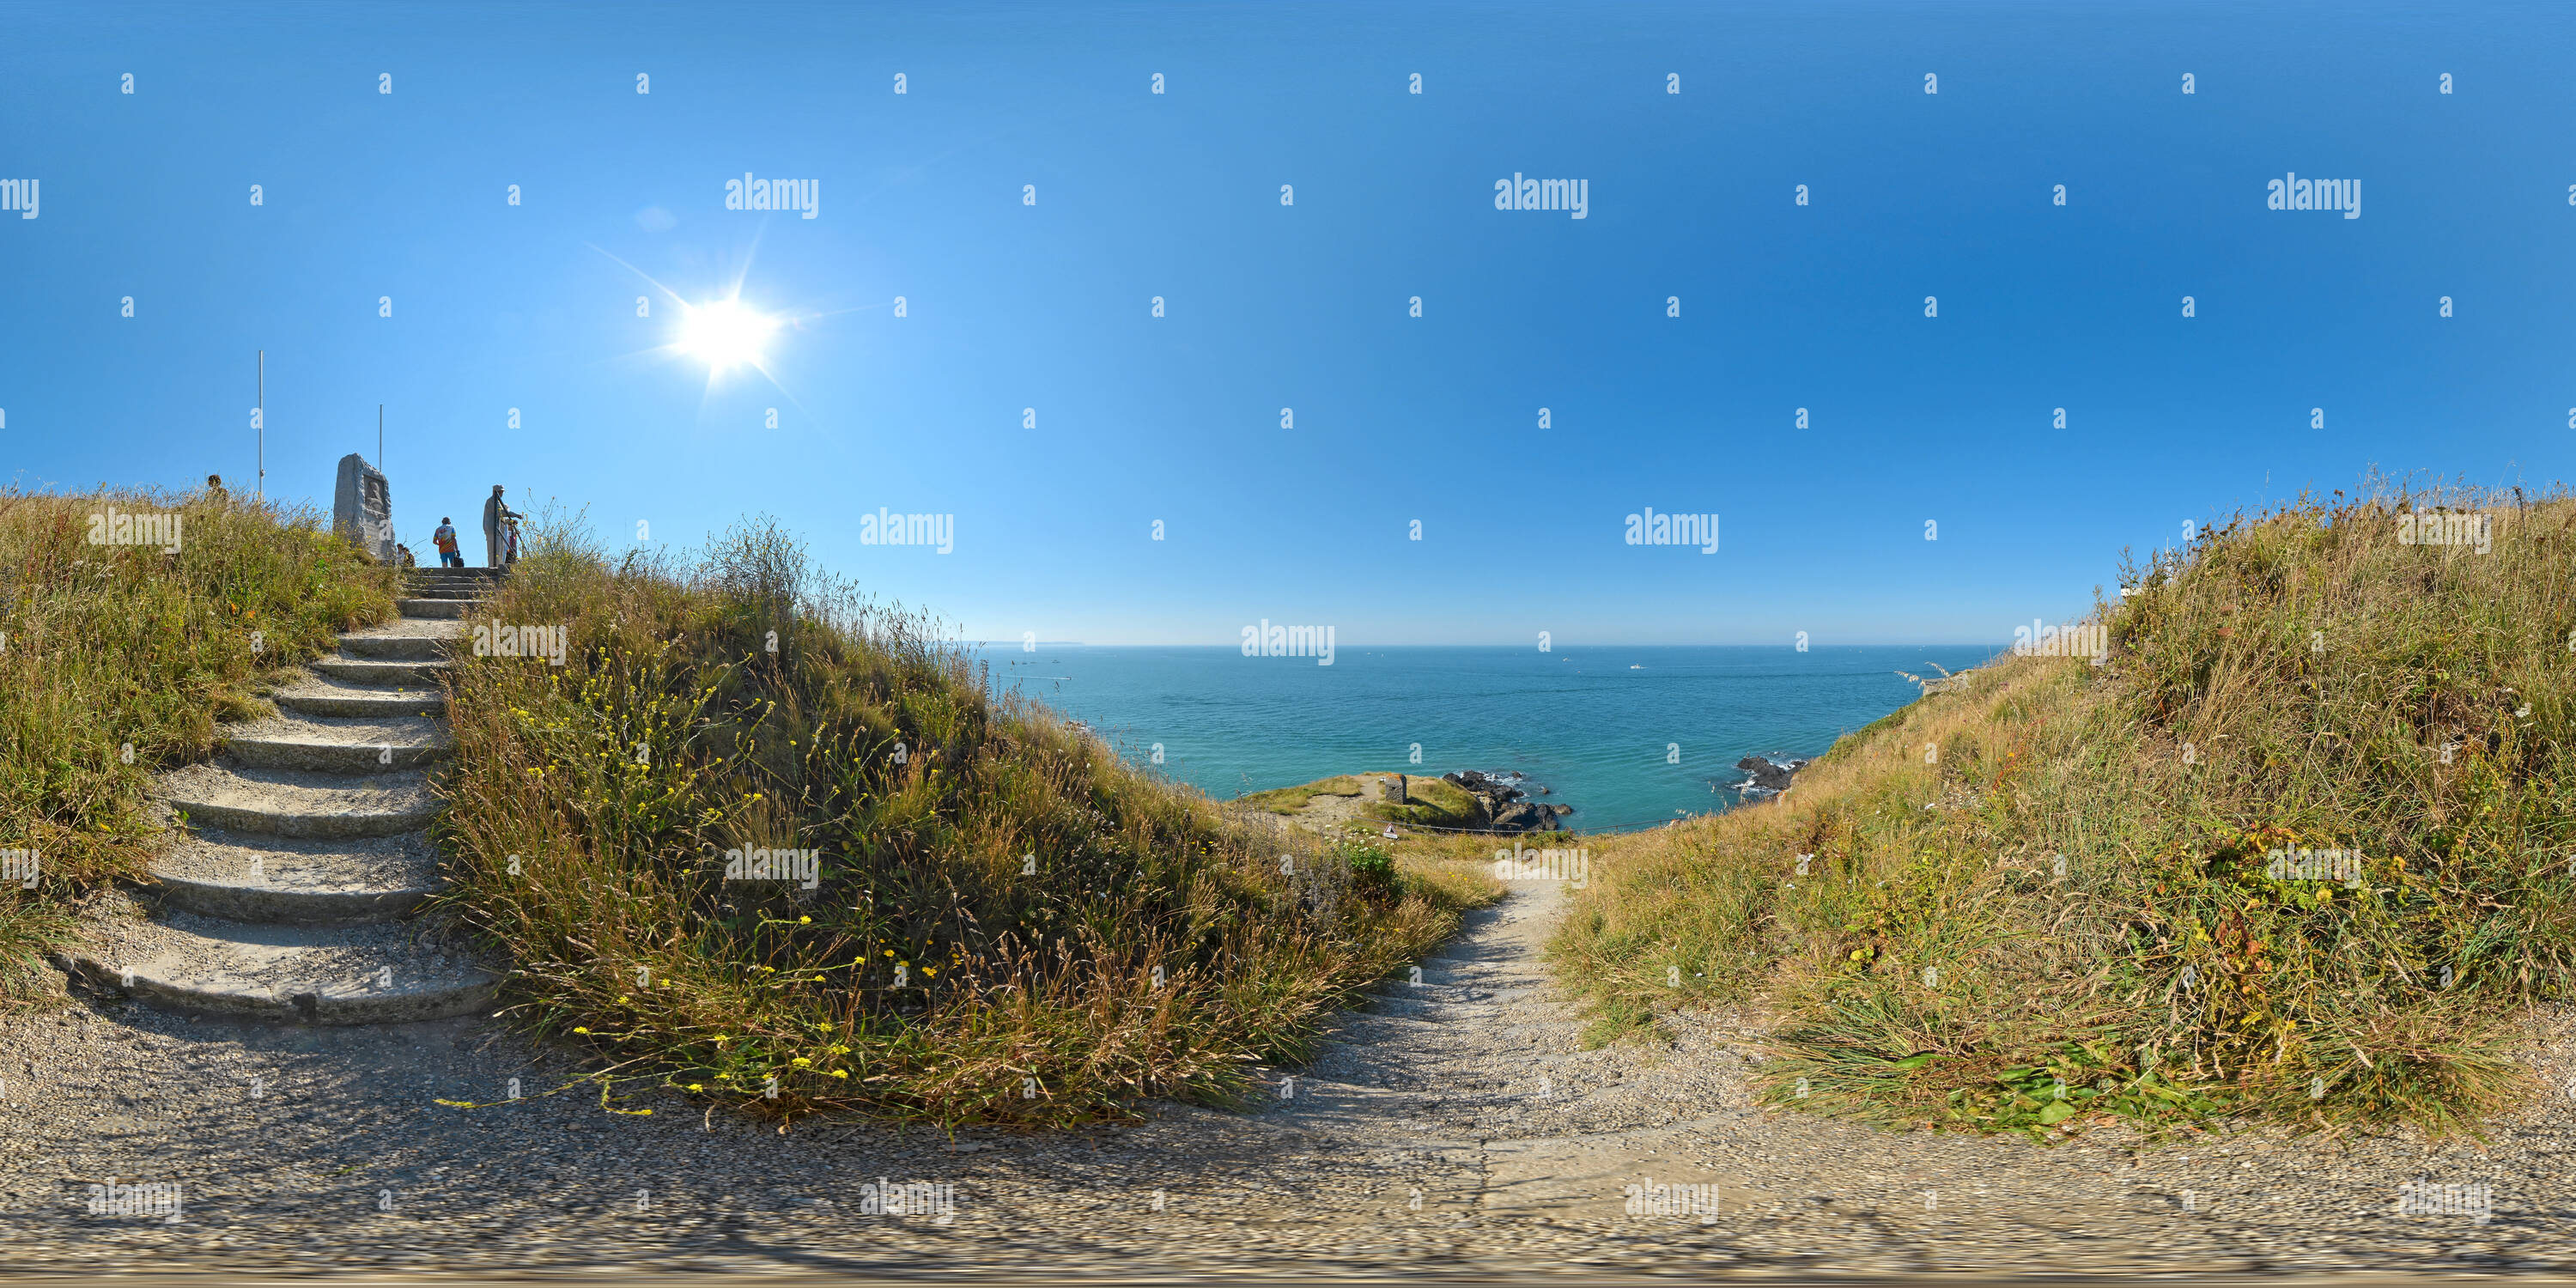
(303, 1150)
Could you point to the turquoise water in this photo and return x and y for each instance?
(1578, 720)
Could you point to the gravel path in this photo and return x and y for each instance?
(323, 1149)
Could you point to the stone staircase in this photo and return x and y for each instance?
(288, 895)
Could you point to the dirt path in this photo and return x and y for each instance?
(1469, 1089)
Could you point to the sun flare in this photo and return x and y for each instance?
(725, 334)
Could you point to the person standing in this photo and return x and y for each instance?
(495, 514)
(448, 555)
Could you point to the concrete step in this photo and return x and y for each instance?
(243, 876)
(433, 607)
(339, 745)
(404, 639)
(318, 695)
(386, 974)
(398, 648)
(299, 803)
(367, 670)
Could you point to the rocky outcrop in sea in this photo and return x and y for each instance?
(1505, 803)
(1765, 777)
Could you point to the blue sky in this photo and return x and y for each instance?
(368, 195)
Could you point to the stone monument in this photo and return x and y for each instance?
(1393, 787)
(363, 509)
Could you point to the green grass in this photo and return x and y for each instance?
(1429, 802)
(111, 646)
(1289, 800)
(1010, 924)
(2298, 678)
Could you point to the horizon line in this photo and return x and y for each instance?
(1555, 646)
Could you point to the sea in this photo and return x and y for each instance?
(1627, 735)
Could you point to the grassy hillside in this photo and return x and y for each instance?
(2301, 679)
(106, 646)
(1007, 923)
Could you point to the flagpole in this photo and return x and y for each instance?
(262, 482)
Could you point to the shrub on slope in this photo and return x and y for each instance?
(1008, 924)
(2294, 688)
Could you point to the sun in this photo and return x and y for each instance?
(725, 334)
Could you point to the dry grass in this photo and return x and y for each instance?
(2299, 678)
(1010, 924)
